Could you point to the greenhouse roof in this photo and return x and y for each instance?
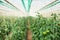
(27, 4)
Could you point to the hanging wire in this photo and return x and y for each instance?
(14, 6)
(50, 5)
(9, 5)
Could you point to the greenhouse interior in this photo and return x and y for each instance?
(29, 19)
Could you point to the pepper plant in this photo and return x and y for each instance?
(12, 28)
(45, 28)
(42, 28)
